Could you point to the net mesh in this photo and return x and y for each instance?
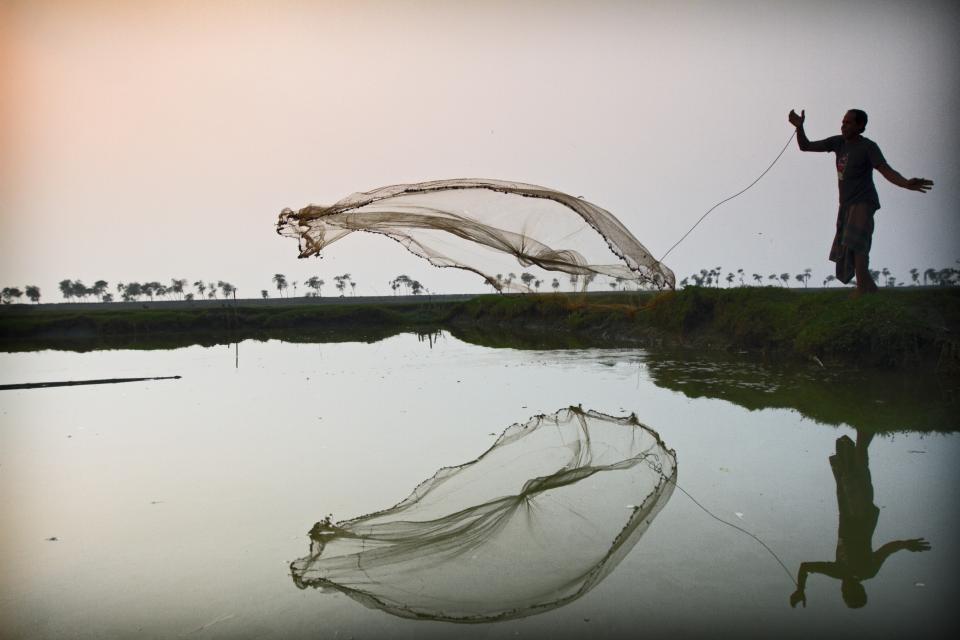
(535, 522)
(469, 224)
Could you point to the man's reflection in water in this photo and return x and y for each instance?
(856, 560)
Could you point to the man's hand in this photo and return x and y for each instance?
(917, 544)
(798, 596)
(919, 184)
(797, 120)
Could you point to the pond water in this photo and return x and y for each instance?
(175, 508)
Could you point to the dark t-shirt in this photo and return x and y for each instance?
(856, 160)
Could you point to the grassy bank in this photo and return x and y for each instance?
(895, 328)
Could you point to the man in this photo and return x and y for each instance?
(857, 157)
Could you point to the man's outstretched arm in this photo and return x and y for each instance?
(914, 184)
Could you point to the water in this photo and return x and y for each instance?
(178, 505)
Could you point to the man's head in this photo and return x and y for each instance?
(854, 123)
(854, 595)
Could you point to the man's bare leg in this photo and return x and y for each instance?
(861, 267)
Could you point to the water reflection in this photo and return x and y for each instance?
(535, 522)
(856, 560)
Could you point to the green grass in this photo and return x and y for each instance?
(895, 328)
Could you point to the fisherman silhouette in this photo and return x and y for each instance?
(856, 560)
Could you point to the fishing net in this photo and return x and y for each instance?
(535, 522)
(474, 224)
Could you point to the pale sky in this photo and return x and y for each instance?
(146, 140)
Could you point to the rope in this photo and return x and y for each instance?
(731, 197)
(741, 529)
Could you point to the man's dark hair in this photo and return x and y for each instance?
(860, 117)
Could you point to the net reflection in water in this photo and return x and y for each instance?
(535, 522)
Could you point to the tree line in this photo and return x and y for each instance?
(178, 288)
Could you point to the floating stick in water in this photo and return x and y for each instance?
(74, 383)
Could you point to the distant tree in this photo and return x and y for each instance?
(574, 278)
(786, 279)
(200, 286)
(294, 284)
(342, 282)
(773, 277)
(915, 276)
(555, 284)
(66, 288)
(415, 287)
(108, 297)
(885, 272)
(228, 289)
(620, 282)
(536, 285)
(730, 278)
(176, 286)
(316, 284)
(588, 280)
(807, 274)
(264, 294)
(353, 287)
(799, 278)
(9, 294)
(153, 288)
(162, 290)
(928, 274)
(80, 290)
(132, 291)
(892, 281)
(281, 281)
(527, 279)
(188, 297)
(99, 288)
(874, 274)
(758, 278)
(33, 292)
(684, 282)
(828, 280)
(740, 274)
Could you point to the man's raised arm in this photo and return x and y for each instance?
(802, 141)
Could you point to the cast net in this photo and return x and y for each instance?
(535, 522)
(474, 224)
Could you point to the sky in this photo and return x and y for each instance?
(144, 140)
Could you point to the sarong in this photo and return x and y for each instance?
(854, 235)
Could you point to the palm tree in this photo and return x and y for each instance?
(799, 278)
(828, 280)
(415, 287)
(772, 276)
(537, 283)
(928, 274)
(294, 284)
(281, 281)
(33, 292)
(740, 273)
(353, 287)
(555, 284)
(758, 278)
(201, 287)
(807, 273)
(108, 297)
(264, 294)
(730, 277)
(786, 279)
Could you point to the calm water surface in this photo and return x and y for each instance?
(177, 506)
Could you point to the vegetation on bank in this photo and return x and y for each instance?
(894, 328)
